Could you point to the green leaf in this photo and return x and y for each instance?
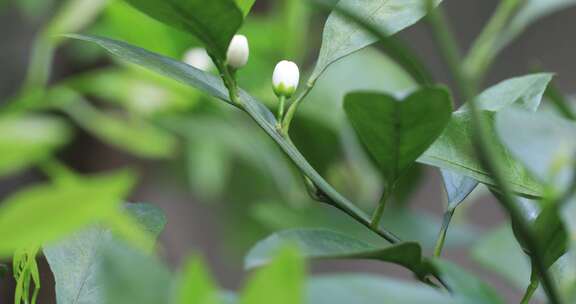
(542, 142)
(369, 289)
(526, 90)
(125, 275)
(73, 261)
(29, 139)
(213, 22)
(464, 286)
(326, 244)
(454, 150)
(134, 135)
(196, 284)
(342, 37)
(282, 281)
(396, 132)
(24, 219)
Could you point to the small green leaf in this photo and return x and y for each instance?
(342, 37)
(28, 218)
(214, 22)
(73, 260)
(396, 132)
(26, 140)
(326, 244)
(196, 284)
(369, 289)
(465, 287)
(281, 282)
(551, 234)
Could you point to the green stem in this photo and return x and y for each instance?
(281, 105)
(379, 212)
(560, 102)
(287, 120)
(486, 153)
(449, 49)
(532, 287)
(482, 53)
(442, 235)
(325, 192)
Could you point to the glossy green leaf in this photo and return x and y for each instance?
(326, 244)
(282, 281)
(196, 284)
(464, 286)
(370, 289)
(125, 275)
(211, 85)
(28, 218)
(342, 37)
(396, 132)
(213, 22)
(134, 135)
(29, 139)
(544, 143)
(525, 90)
(454, 150)
(73, 261)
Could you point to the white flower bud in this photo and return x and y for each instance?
(198, 58)
(285, 78)
(238, 52)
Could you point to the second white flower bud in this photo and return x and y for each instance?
(238, 52)
(285, 78)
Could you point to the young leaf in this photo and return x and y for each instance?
(27, 140)
(73, 261)
(551, 234)
(45, 213)
(196, 285)
(214, 22)
(282, 281)
(368, 289)
(326, 244)
(342, 37)
(396, 132)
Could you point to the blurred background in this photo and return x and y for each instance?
(222, 183)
